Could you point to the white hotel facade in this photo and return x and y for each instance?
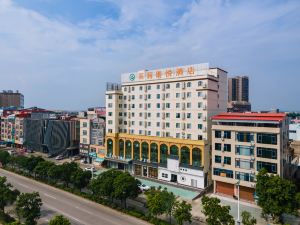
(158, 122)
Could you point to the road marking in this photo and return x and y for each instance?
(83, 210)
(50, 196)
(23, 185)
(66, 214)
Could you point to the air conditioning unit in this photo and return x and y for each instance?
(204, 85)
(163, 97)
(183, 96)
(204, 107)
(204, 96)
(183, 116)
(183, 86)
(252, 143)
(183, 106)
(252, 158)
(183, 126)
(204, 118)
(164, 87)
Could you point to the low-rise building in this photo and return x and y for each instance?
(243, 144)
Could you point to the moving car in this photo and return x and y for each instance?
(144, 187)
(92, 169)
(59, 157)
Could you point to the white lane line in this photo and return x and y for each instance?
(83, 210)
(23, 185)
(50, 196)
(66, 214)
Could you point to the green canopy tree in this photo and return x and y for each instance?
(247, 219)
(103, 185)
(68, 170)
(155, 202)
(4, 158)
(32, 162)
(125, 186)
(42, 168)
(276, 196)
(80, 179)
(28, 206)
(7, 194)
(182, 212)
(170, 203)
(55, 172)
(215, 213)
(59, 220)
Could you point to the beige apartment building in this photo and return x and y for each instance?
(244, 143)
(157, 122)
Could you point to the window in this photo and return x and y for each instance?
(109, 96)
(218, 146)
(188, 126)
(218, 159)
(168, 105)
(177, 105)
(244, 164)
(141, 88)
(140, 105)
(177, 115)
(84, 132)
(223, 173)
(168, 95)
(199, 93)
(168, 125)
(244, 137)
(149, 124)
(264, 138)
(149, 96)
(177, 95)
(218, 134)
(189, 84)
(188, 94)
(141, 96)
(132, 97)
(157, 133)
(157, 86)
(149, 133)
(199, 115)
(165, 175)
(110, 105)
(141, 114)
(244, 176)
(189, 115)
(84, 124)
(199, 126)
(227, 147)
(199, 83)
(189, 136)
(268, 153)
(200, 137)
(167, 115)
(157, 115)
(158, 105)
(149, 105)
(177, 125)
(188, 105)
(149, 87)
(177, 85)
(149, 115)
(243, 150)
(158, 96)
(227, 160)
(158, 124)
(167, 86)
(132, 88)
(199, 104)
(227, 134)
(270, 167)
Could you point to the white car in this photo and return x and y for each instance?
(144, 187)
(59, 157)
(92, 169)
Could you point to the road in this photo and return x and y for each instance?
(77, 209)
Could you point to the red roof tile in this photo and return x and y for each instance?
(250, 116)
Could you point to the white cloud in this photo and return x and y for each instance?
(58, 64)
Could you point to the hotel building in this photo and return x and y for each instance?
(243, 144)
(157, 122)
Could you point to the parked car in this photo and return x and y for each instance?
(92, 169)
(83, 161)
(144, 187)
(59, 157)
(76, 157)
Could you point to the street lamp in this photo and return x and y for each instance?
(238, 219)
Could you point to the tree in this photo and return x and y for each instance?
(170, 202)
(80, 178)
(182, 212)
(55, 172)
(28, 206)
(7, 195)
(125, 186)
(59, 220)
(42, 169)
(247, 219)
(215, 213)
(20, 161)
(155, 202)
(276, 196)
(4, 158)
(103, 185)
(68, 170)
(32, 162)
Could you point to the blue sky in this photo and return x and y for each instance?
(61, 53)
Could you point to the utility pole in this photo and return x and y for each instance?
(238, 187)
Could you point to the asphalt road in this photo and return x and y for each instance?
(76, 209)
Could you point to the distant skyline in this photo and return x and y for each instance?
(61, 53)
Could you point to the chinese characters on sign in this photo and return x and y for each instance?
(168, 73)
